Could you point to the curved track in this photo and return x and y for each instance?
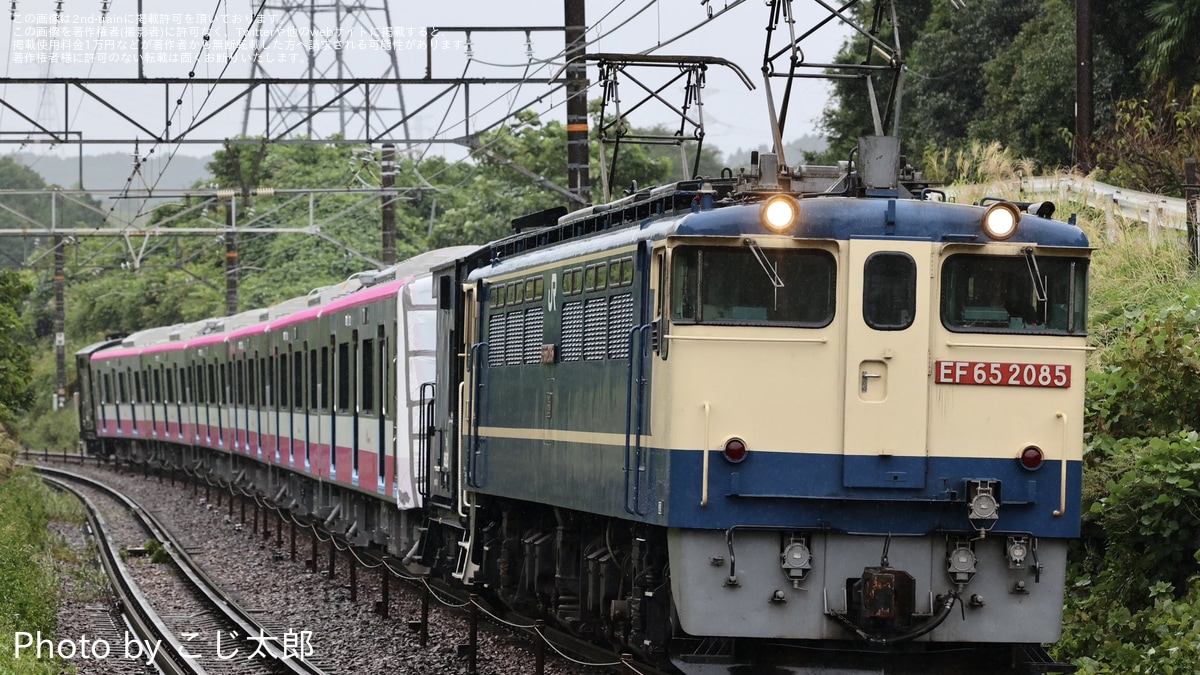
(220, 613)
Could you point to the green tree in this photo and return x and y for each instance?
(1024, 107)
(14, 354)
(944, 92)
(490, 194)
(848, 115)
(1171, 50)
(1144, 148)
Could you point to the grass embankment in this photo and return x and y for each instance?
(29, 558)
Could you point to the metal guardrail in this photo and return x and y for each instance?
(1144, 207)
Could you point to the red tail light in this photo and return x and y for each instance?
(735, 450)
(1032, 457)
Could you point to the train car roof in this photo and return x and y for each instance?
(359, 289)
(664, 213)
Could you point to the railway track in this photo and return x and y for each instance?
(543, 648)
(203, 630)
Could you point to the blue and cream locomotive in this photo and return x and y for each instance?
(780, 416)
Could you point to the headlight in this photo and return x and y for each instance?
(779, 213)
(1000, 220)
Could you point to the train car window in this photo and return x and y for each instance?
(323, 374)
(529, 289)
(384, 367)
(212, 384)
(171, 386)
(158, 385)
(589, 278)
(224, 389)
(284, 387)
(312, 380)
(251, 383)
(108, 392)
(137, 386)
(511, 294)
(567, 279)
(264, 385)
(269, 382)
(718, 285)
(298, 380)
(1001, 294)
(539, 288)
(343, 377)
(889, 291)
(367, 380)
(627, 271)
(201, 396)
(601, 276)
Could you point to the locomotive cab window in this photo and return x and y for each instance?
(1014, 294)
(889, 291)
(719, 285)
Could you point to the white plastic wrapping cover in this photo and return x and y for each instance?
(416, 342)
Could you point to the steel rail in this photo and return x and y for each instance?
(201, 581)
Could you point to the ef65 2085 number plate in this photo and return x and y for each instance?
(1003, 374)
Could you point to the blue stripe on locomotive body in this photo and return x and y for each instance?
(806, 491)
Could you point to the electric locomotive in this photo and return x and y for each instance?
(797, 407)
(801, 417)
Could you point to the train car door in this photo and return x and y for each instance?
(887, 357)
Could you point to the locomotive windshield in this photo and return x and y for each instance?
(750, 285)
(1015, 294)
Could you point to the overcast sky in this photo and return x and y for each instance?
(735, 117)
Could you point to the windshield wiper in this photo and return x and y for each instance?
(761, 257)
(1031, 263)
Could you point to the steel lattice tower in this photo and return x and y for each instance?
(296, 108)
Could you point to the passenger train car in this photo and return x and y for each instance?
(805, 417)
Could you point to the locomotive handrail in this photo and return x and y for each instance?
(425, 438)
(989, 345)
(704, 484)
(631, 427)
(1062, 486)
(477, 351)
(714, 338)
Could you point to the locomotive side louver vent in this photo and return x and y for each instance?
(496, 341)
(620, 322)
(595, 329)
(533, 335)
(514, 338)
(572, 331)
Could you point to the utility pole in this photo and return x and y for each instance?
(1191, 191)
(1083, 84)
(387, 181)
(231, 257)
(575, 30)
(60, 336)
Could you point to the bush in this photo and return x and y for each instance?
(1133, 604)
(52, 431)
(1149, 384)
(30, 598)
